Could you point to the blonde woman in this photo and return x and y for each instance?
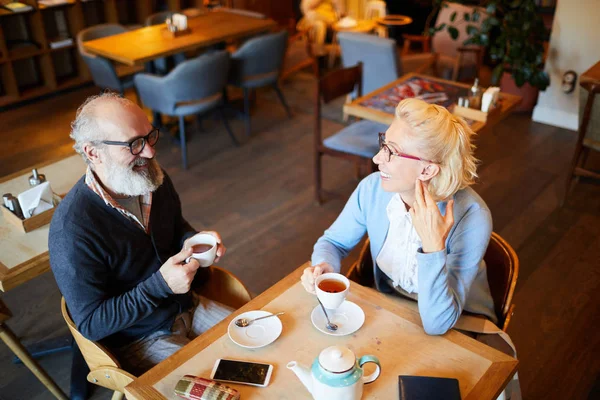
(428, 229)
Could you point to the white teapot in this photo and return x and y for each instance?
(336, 374)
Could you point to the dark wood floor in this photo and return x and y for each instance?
(259, 196)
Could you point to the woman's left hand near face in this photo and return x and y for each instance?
(432, 227)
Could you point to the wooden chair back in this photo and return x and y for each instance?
(105, 370)
(335, 84)
(502, 265)
(224, 287)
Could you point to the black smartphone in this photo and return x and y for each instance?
(244, 372)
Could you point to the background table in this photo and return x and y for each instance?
(379, 105)
(392, 332)
(23, 256)
(146, 44)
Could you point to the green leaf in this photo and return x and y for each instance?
(472, 30)
(453, 32)
(497, 73)
(476, 15)
(453, 16)
(491, 8)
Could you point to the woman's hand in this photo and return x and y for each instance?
(432, 227)
(221, 249)
(311, 273)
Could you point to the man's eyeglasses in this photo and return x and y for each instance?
(136, 146)
(388, 151)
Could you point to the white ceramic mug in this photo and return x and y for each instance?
(205, 258)
(330, 300)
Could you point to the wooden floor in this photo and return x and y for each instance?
(260, 197)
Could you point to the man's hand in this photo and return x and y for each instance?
(221, 249)
(179, 276)
(310, 274)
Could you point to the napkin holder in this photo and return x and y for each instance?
(34, 222)
(174, 34)
(474, 114)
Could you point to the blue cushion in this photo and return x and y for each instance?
(360, 139)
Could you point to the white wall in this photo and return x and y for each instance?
(574, 45)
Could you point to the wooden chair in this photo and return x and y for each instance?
(356, 142)
(588, 137)
(502, 271)
(105, 370)
(451, 59)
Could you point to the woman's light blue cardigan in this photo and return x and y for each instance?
(449, 281)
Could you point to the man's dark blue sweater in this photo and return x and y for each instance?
(107, 267)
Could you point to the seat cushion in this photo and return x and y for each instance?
(359, 138)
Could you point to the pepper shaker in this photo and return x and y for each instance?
(36, 178)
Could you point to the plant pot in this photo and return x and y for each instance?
(528, 93)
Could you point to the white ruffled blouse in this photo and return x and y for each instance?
(398, 256)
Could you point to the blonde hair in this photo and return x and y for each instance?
(444, 138)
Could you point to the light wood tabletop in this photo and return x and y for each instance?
(380, 104)
(592, 74)
(392, 332)
(145, 44)
(23, 256)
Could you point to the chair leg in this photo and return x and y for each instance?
(182, 141)
(224, 119)
(318, 182)
(117, 395)
(247, 110)
(282, 99)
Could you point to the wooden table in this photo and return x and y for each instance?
(380, 104)
(23, 256)
(392, 332)
(146, 44)
(592, 74)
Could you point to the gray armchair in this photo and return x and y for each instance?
(193, 87)
(161, 65)
(103, 71)
(258, 63)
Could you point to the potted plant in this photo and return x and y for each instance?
(514, 33)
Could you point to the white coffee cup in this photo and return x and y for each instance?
(207, 257)
(333, 298)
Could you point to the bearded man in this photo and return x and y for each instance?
(118, 242)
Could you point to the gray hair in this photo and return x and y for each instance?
(85, 127)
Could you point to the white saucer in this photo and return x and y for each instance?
(349, 317)
(257, 334)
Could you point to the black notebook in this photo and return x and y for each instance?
(427, 388)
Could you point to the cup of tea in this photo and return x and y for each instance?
(204, 247)
(332, 289)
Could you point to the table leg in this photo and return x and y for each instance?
(13, 343)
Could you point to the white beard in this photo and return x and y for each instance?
(125, 181)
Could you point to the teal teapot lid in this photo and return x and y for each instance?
(337, 359)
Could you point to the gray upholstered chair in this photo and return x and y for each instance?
(161, 65)
(103, 71)
(194, 87)
(258, 63)
(379, 58)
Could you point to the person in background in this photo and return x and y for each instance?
(428, 229)
(118, 242)
(319, 16)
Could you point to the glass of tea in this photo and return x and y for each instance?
(332, 289)
(204, 247)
